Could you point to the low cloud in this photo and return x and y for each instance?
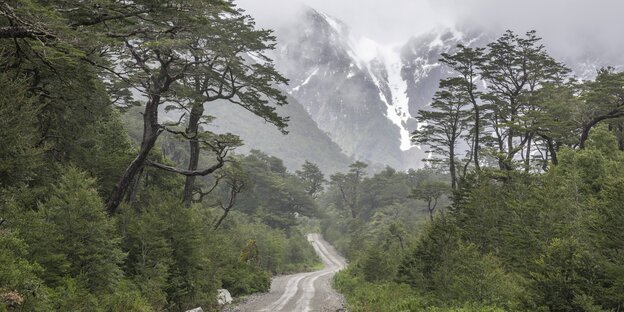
(569, 28)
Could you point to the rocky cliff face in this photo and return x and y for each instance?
(364, 94)
(333, 75)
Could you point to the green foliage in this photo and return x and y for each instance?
(149, 252)
(243, 279)
(511, 241)
(127, 297)
(563, 275)
(274, 195)
(390, 297)
(274, 251)
(20, 285)
(65, 147)
(377, 297)
(73, 295)
(465, 275)
(376, 266)
(77, 224)
(168, 254)
(312, 177)
(430, 192)
(20, 155)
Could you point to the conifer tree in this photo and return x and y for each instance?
(78, 230)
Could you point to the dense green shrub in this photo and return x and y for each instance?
(244, 279)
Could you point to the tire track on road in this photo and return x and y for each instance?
(299, 290)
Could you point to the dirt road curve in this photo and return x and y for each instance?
(303, 292)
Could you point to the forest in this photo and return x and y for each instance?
(115, 197)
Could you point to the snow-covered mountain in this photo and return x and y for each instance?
(362, 93)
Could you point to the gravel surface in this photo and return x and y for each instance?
(302, 292)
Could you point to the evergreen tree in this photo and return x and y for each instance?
(79, 230)
(514, 68)
(231, 76)
(444, 125)
(312, 177)
(169, 52)
(431, 193)
(20, 156)
(466, 64)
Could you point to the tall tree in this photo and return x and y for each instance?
(349, 185)
(514, 68)
(312, 178)
(466, 64)
(443, 125)
(155, 55)
(239, 72)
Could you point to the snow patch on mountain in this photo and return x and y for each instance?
(364, 53)
(398, 111)
(390, 79)
(306, 81)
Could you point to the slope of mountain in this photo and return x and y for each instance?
(344, 84)
(364, 94)
(304, 141)
(332, 77)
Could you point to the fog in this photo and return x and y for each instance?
(569, 27)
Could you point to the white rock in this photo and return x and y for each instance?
(224, 297)
(196, 310)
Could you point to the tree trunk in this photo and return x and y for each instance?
(430, 208)
(620, 136)
(617, 113)
(553, 151)
(477, 128)
(452, 167)
(151, 131)
(192, 130)
(501, 144)
(527, 158)
(585, 135)
(134, 187)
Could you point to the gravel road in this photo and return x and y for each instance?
(302, 292)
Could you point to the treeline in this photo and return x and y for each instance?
(374, 219)
(95, 219)
(511, 106)
(535, 217)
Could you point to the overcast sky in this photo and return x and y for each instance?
(570, 26)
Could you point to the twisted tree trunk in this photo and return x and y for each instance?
(192, 130)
